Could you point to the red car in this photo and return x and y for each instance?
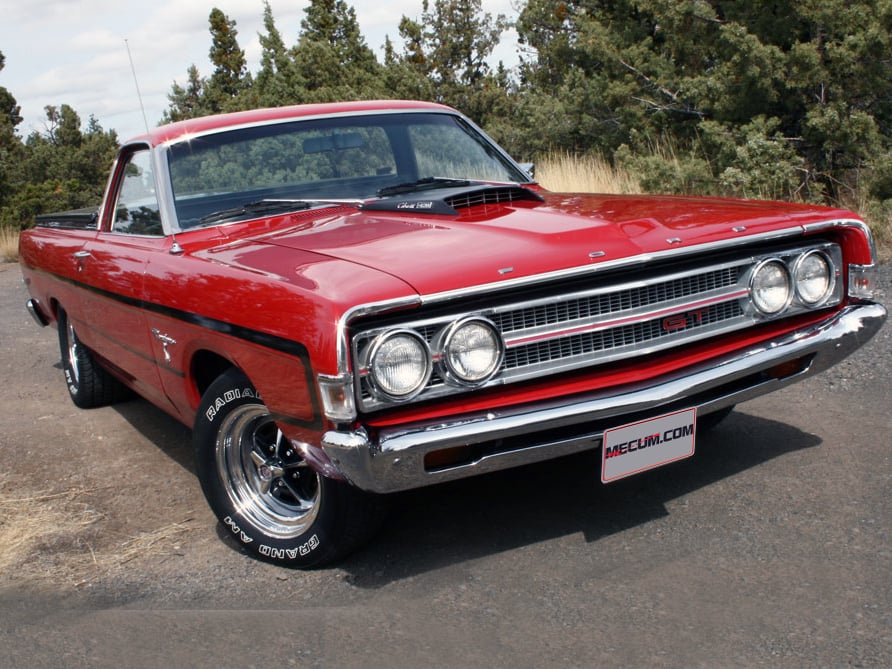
(350, 300)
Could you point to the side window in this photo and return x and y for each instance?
(136, 209)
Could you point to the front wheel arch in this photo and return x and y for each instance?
(263, 492)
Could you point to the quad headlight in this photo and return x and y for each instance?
(771, 286)
(472, 351)
(814, 278)
(399, 364)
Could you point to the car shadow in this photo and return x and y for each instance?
(436, 527)
(432, 528)
(169, 435)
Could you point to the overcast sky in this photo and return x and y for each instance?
(74, 52)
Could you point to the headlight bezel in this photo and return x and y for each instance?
(829, 290)
(755, 293)
(447, 368)
(372, 365)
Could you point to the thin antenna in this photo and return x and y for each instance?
(136, 81)
(175, 248)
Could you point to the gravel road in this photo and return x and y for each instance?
(769, 548)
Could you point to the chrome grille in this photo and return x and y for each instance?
(587, 307)
(560, 329)
(615, 338)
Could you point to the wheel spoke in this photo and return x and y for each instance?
(265, 475)
(299, 495)
(258, 459)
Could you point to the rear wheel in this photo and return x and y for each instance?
(264, 492)
(89, 385)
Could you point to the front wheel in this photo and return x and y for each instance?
(262, 490)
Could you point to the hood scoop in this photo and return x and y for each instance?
(448, 201)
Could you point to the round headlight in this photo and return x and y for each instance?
(472, 351)
(771, 287)
(813, 274)
(399, 364)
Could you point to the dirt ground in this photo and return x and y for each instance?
(770, 548)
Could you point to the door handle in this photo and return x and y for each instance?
(82, 254)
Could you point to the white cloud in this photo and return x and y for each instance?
(61, 52)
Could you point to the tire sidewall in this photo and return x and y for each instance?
(74, 379)
(314, 544)
(64, 345)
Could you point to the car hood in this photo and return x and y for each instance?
(491, 243)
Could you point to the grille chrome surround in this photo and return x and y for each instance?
(560, 332)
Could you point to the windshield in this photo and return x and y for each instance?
(352, 158)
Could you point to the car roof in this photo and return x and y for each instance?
(196, 126)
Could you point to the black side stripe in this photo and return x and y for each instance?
(273, 342)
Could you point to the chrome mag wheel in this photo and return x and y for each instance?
(266, 480)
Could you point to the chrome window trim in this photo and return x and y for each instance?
(169, 207)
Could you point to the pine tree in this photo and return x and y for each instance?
(278, 81)
(763, 98)
(332, 57)
(230, 76)
(450, 47)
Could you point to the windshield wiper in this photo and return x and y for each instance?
(265, 206)
(427, 183)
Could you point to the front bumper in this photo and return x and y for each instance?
(397, 459)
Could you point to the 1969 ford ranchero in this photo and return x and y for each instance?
(350, 300)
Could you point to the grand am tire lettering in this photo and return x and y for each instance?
(290, 553)
(264, 492)
(236, 530)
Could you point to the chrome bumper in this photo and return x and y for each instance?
(395, 459)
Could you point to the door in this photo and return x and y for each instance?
(113, 316)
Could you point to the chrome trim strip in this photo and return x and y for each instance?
(581, 271)
(845, 223)
(394, 459)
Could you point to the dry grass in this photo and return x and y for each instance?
(59, 537)
(9, 244)
(879, 218)
(564, 173)
(32, 522)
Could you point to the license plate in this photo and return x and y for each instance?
(637, 447)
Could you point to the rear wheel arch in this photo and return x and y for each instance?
(89, 384)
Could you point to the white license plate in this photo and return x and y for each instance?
(637, 447)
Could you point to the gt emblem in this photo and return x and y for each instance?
(682, 321)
